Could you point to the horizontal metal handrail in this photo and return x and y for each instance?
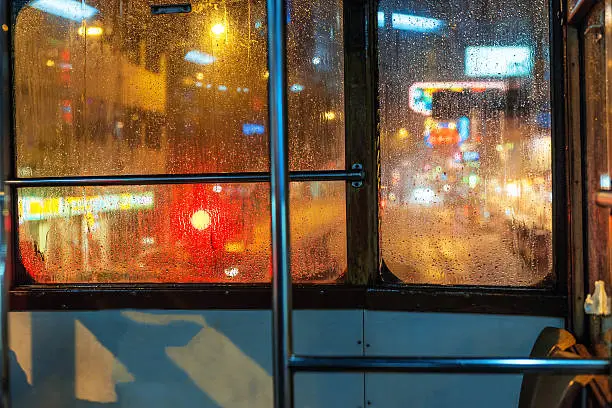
(451, 365)
(206, 178)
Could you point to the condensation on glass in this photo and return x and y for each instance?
(108, 87)
(466, 190)
(178, 233)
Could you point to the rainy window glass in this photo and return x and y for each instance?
(178, 233)
(465, 127)
(115, 87)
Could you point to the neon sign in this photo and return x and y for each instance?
(72, 10)
(446, 133)
(417, 24)
(250, 129)
(420, 94)
(500, 62)
(38, 208)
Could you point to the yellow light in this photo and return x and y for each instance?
(452, 126)
(266, 74)
(402, 133)
(200, 76)
(331, 115)
(234, 247)
(91, 31)
(200, 220)
(50, 63)
(218, 29)
(499, 148)
(4, 27)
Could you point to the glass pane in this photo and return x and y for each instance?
(183, 233)
(465, 142)
(108, 87)
(315, 73)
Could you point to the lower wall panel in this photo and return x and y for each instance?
(173, 359)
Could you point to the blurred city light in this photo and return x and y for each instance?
(297, 88)
(381, 19)
(222, 88)
(331, 115)
(471, 156)
(316, 61)
(36, 208)
(199, 57)
(498, 62)
(231, 272)
(70, 9)
(90, 31)
(200, 220)
(250, 129)
(218, 29)
(415, 23)
(200, 76)
(50, 63)
(420, 94)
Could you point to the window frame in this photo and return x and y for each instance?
(362, 287)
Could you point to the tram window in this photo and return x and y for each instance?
(466, 191)
(177, 234)
(107, 88)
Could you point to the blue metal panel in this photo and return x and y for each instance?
(441, 334)
(175, 359)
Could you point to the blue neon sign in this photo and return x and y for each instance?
(499, 62)
(250, 129)
(417, 24)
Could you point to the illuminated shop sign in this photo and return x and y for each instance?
(421, 93)
(446, 133)
(38, 208)
(417, 24)
(69, 9)
(500, 62)
(250, 129)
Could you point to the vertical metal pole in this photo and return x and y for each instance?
(279, 189)
(6, 164)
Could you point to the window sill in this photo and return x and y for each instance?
(534, 302)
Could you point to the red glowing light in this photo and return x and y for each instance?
(204, 221)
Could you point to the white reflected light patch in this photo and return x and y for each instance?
(199, 57)
(72, 10)
(424, 196)
(417, 24)
(381, 19)
(500, 62)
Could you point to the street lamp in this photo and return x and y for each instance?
(218, 29)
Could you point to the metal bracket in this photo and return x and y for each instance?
(359, 183)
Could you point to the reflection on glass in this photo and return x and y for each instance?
(466, 192)
(184, 233)
(107, 87)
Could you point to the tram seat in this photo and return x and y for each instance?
(552, 391)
